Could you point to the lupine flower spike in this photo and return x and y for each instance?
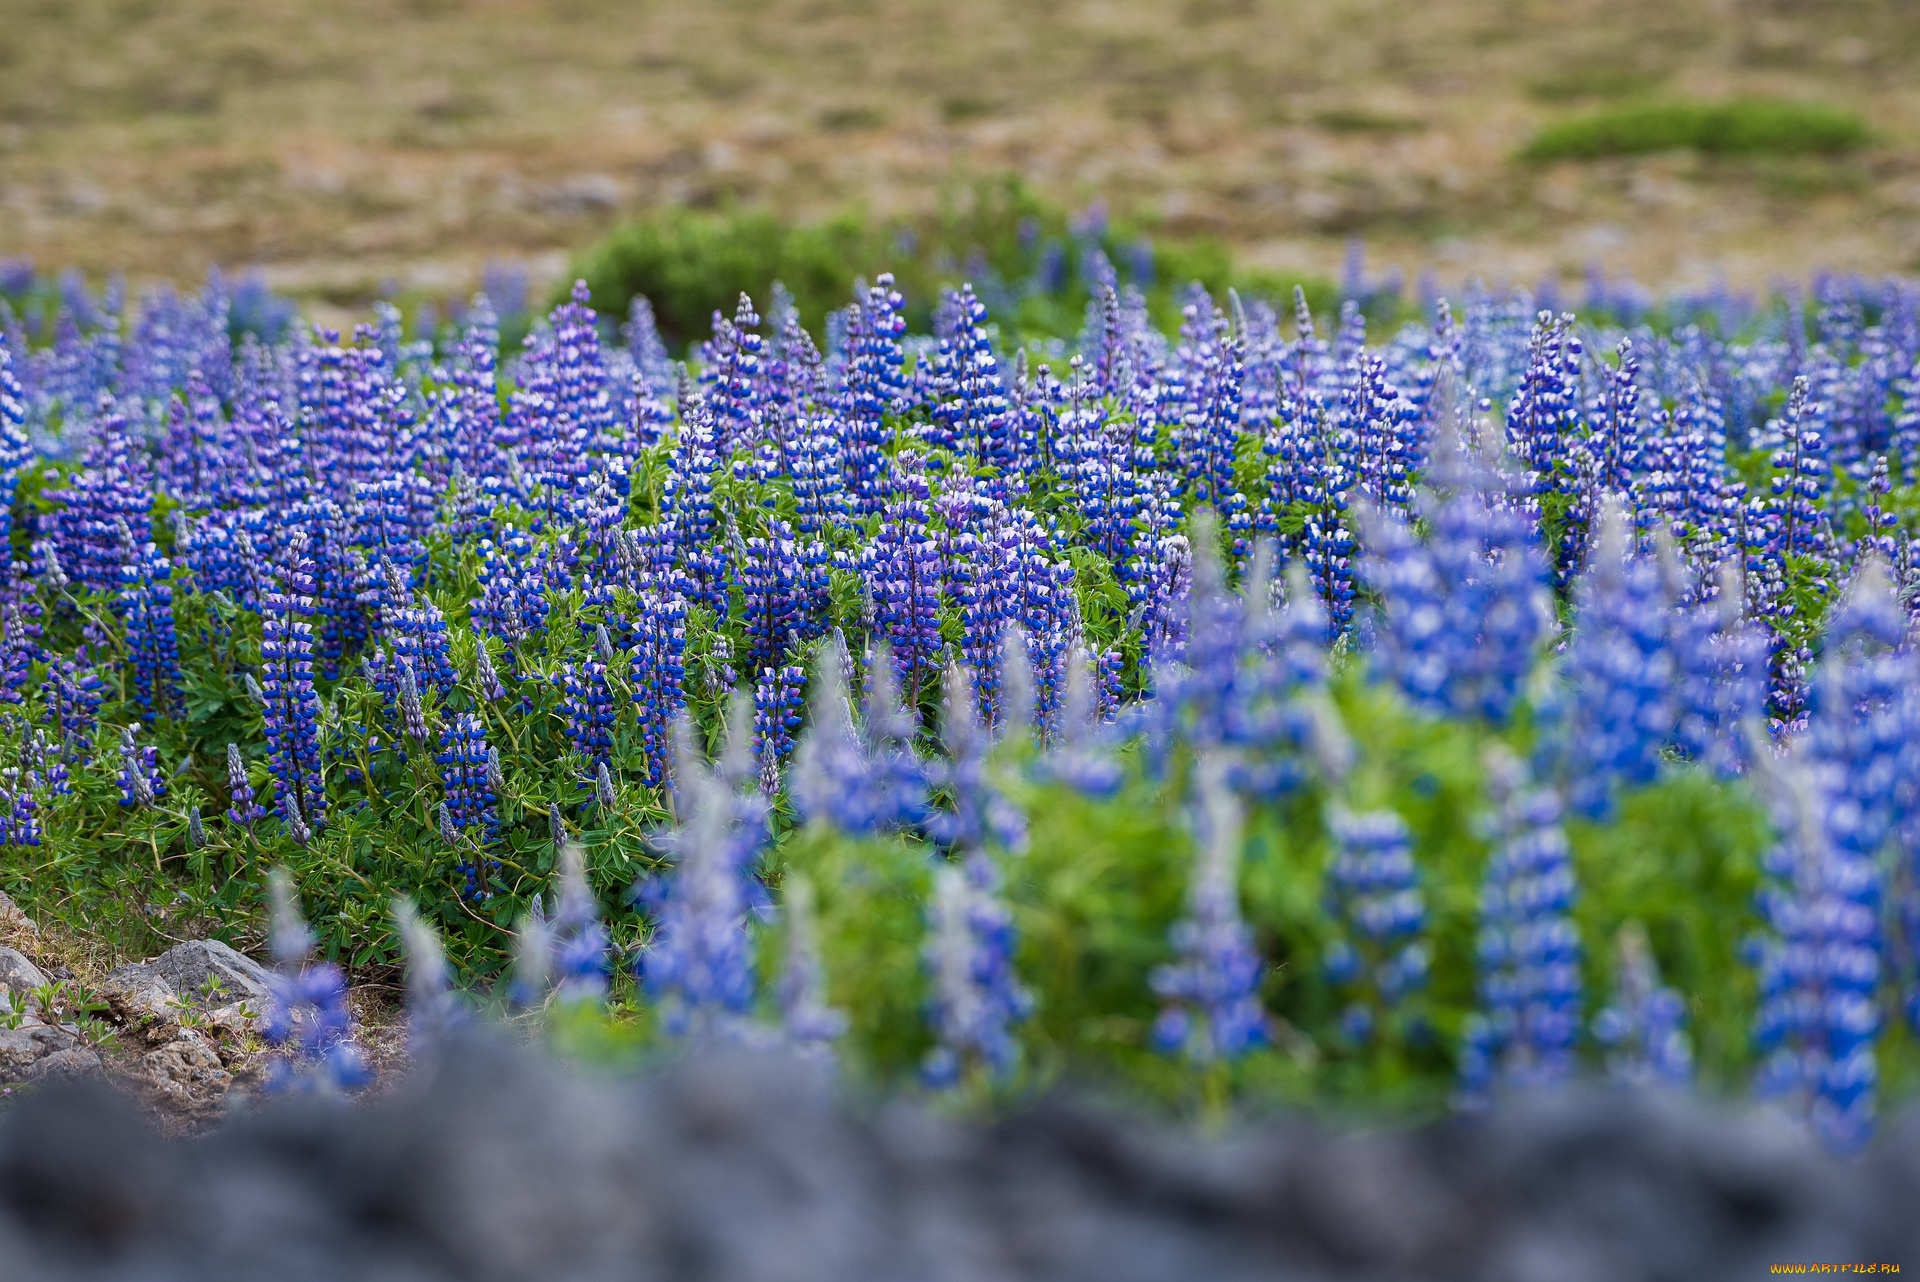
(309, 1023)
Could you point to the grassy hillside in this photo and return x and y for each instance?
(345, 143)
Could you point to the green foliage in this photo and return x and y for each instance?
(1022, 253)
(1740, 127)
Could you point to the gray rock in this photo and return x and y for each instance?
(187, 967)
(18, 976)
(497, 1166)
(137, 994)
(43, 1052)
(186, 1074)
(12, 919)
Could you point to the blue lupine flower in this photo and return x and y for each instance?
(471, 804)
(1373, 892)
(873, 387)
(581, 952)
(777, 700)
(587, 707)
(1820, 961)
(982, 814)
(308, 1022)
(970, 414)
(1720, 677)
(811, 1025)
(699, 964)
(19, 812)
(1466, 612)
(242, 809)
(433, 1010)
(901, 568)
(859, 780)
(977, 997)
(1644, 1027)
(140, 780)
(290, 707)
(1529, 949)
(1620, 670)
(146, 603)
(1211, 1010)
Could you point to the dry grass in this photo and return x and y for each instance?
(345, 142)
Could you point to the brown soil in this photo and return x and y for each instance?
(347, 143)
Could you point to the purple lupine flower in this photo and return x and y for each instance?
(777, 700)
(901, 568)
(141, 783)
(1819, 963)
(432, 1009)
(783, 593)
(471, 801)
(587, 707)
(810, 1025)
(1384, 429)
(1620, 670)
(19, 812)
(977, 997)
(1528, 947)
(581, 953)
(1645, 1026)
(113, 488)
(242, 809)
(1466, 612)
(1081, 752)
(1720, 676)
(859, 780)
(413, 716)
(1543, 431)
(659, 673)
(289, 706)
(873, 388)
(982, 813)
(731, 368)
(153, 650)
(1373, 892)
(486, 678)
(699, 964)
(970, 413)
(308, 1022)
(1210, 997)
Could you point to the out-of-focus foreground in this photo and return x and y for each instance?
(364, 140)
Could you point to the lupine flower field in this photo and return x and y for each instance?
(1265, 707)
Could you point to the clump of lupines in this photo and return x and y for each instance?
(335, 503)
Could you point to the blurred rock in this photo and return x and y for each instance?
(499, 1166)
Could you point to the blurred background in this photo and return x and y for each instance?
(362, 146)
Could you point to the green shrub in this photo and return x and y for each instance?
(1749, 127)
(1022, 253)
